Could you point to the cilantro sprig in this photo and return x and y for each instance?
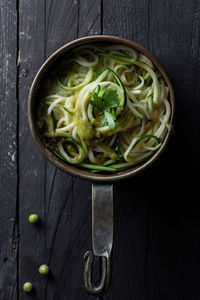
(106, 100)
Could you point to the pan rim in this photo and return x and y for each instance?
(70, 169)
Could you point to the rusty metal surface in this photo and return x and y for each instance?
(102, 237)
(102, 219)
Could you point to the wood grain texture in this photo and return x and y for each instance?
(8, 151)
(63, 202)
(32, 166)
(156, 214)
(171, 212)
(130, 249)
(89, 18)
(127, 19)
(174, 217)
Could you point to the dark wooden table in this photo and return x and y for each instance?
(156, 253)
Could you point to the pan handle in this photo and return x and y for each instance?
(102, 237)
(105, 274)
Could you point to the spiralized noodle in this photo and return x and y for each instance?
(105, 108)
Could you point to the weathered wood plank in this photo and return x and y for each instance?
(8, 151)
(39, 179)
(63, 203)
(32, 166)
(89, 20)
(127, 19)
(131, 200)
(168, 268)
(174, 216)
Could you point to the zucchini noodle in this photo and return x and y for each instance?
(104, 108)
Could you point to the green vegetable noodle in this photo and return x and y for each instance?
(104, 108)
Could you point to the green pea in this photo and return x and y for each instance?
(44, 269)
(27, 287)
(33, 218)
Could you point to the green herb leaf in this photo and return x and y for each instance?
(105, 101)
(103, 120)
(110, 119)
(97, 102)
(111, 98)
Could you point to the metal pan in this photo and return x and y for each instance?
(102, 184)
